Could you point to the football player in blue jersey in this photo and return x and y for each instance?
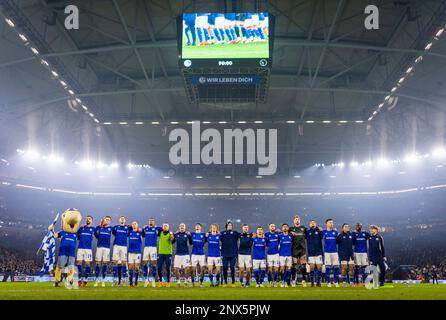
(202, 27)
(119, 256)
(331, 257)
(103, 233)
(259, 257)
(189, 27)
(272, 258)
(285, 253)
(150, 234)
(84, 251)
(198, 258)
(214, 254)
(135, 248)
(314, 246)
(182, 256)
(244, 255)
(345, 242)
(360, 253)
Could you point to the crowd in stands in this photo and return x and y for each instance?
(12, 263)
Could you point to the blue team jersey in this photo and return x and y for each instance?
(360, 241)
(120, 232)
(189, 18)
(67, 243)
(286, 242)
(345, 246)
(182, 240)
(329, 238)
(104, 236)
(85, 236)
(245, 244)
(198, 240)
(135, 241)
(272, 241)
(150, 235)
(230, 16)
(258, 251)
(213, 245)
(314, 242)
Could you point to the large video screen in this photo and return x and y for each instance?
(225, 36)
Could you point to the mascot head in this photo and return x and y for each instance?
(71, 220)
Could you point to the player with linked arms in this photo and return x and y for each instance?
(344, 254)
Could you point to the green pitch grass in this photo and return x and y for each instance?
(227, 51)
(40, 291)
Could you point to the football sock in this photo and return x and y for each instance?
(336, 274)
(327, 273)
(115, 272)
(146, 272)
(79, 271)
(104, 272)
(87, 273)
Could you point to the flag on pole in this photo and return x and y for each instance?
(48, 246)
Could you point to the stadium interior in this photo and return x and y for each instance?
(85, 117)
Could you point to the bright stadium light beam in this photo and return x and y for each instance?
(32, 154)
(439, 152)
(354, 164)
(114, 165)
(100, 165)
(55, 159)
(411, 158)
(383, 163)
(85, 164)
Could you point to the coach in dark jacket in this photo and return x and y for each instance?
(377, 256)
(229, 250)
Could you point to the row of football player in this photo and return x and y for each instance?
(279, 252)
(219, 28)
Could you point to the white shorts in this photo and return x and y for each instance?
(361, 259)
(315, 260)
(220, 22)
(202, 22)
(350, 261)
(229, 23)
(247, 23)
(255, 19)
(273, 260)
(214, 261)
(149, 253)
(181, 261)
(258, 264)
(244, 261)
(134, 257)
(285, 261)
(331, 259)
(84, 255)
(198, 260)
(119, 253)
(103, 254)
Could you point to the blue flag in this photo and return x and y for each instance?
(48, 246)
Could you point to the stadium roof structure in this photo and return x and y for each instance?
(337, 91)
